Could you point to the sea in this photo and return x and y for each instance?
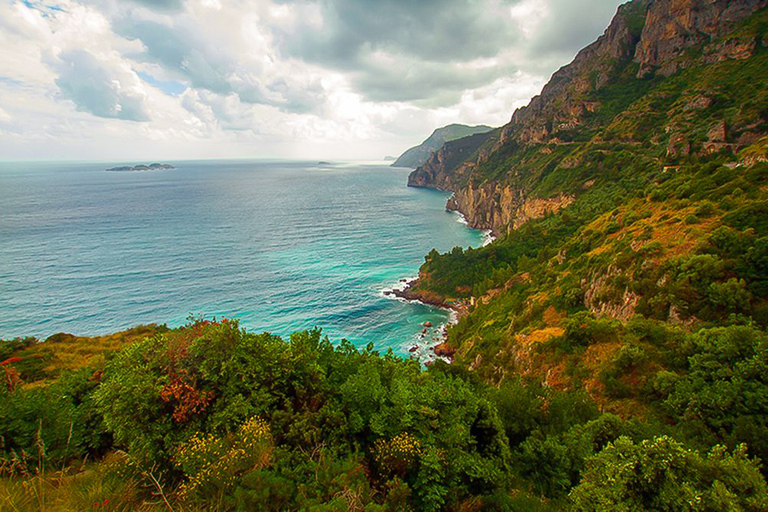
(281, 246)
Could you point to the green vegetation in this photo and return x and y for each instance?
(209, 417)
(417, 155)
(613, 354)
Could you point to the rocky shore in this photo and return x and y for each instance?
(442, 350)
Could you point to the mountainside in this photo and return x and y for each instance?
(611, 351)
(630, 198)
(417, 155)
(517, 173)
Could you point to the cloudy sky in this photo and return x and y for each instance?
(344, 79)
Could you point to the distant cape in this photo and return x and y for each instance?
(418, 155)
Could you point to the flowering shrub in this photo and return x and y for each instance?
(213, 463)
(397, 455)
(187, 399)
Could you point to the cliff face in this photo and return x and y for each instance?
(418, 155)
(445, 169)
(674, 26)
(496, 181)
(502, 208)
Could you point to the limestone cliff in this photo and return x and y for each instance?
(445, 169)
(497, 179)
(502, 208)
(674, 26)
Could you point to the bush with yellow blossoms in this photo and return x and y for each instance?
(213, 463)
(397, 455)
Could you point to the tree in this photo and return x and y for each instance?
(661, 474)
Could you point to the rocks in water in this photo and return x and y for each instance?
(413, 348)
(427, 324)
(142, 167)
(445, 350)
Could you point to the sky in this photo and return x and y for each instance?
(129, 80)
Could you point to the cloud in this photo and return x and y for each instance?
(433, 30)
(162, 5)
(96, 88)
(558, 36)
(400, 50)
(292, 78)
(216, 64)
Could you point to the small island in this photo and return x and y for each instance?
(142, 167)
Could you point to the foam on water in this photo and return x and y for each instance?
(282, 246)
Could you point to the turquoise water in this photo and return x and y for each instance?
(281, 246)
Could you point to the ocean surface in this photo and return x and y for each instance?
(281, 246)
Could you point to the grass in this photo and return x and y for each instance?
(42, 362)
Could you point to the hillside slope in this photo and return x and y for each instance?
(535, 163)
(417, 155)
(632, 197)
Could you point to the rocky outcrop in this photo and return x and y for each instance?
(502, 208)
(674, 26)
(448, 168)
(602, 299)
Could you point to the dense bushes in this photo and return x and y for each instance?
(232, 420)
(661, 474)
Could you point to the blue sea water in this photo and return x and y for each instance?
(281, 246)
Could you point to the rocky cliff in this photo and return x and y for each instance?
(502, 208)
(445, 169)
(418, 155)
(675, 26)
(497, 180)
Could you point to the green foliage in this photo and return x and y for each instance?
(725, 391)
(661, 474)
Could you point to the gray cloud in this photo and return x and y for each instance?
(96, 89)
(429, 40)
(434, 30)
(421, 82)
(181, 50)
(567, 29)
(426, 41)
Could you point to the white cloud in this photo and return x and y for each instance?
(333, 78)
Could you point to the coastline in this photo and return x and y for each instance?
(426, 346)
(488, 235)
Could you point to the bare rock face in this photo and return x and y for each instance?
(502, 208)
(656, 34)
(673, 26)
(599, 299)
(731, 49)
(717, 132)
(678, 146)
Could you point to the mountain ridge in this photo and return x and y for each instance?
(570, 102)
(417, 155)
